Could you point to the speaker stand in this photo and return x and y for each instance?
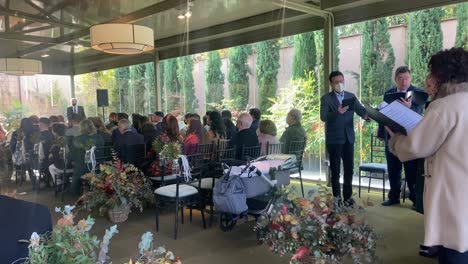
(103, 114)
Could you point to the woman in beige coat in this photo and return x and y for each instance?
(441, 138)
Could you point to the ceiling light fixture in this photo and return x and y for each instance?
(188, 14)
(19, 66)
(124, 39)
(181, 16)
(45, 55)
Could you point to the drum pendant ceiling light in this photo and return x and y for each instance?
(122, 38)
(18, 66)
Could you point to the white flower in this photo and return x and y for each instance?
(35, 240)
(145, 243)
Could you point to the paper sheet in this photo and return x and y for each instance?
(401, 114)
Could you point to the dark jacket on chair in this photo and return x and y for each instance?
(339, 127)
(19, 220)
(129, 137)
(246, 137)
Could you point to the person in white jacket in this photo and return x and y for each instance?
(441, 138)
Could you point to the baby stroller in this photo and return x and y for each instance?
(248, 190)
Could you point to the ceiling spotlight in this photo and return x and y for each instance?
(181, 16)
(188, 13)
(45, 55)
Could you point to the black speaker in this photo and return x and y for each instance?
(102, 97)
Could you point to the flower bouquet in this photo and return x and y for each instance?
(72, 243)
(166, 152)
(317, 230)
(116, 189)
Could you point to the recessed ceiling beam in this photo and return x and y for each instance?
(22, 37)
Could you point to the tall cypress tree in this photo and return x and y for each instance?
(238, 76)
(318, 37)
(214, 79)
(267, 71)
(462, 28)
(425, 39)
(137, 82)
(149, 87)
(171, 84)
(187, 87)
(304, 55)
(161, 85)
(377, 60)
(122, 75)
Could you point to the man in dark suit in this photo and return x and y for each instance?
(19, 220)
(394, 165)
(128, 136)
(246, 137)
(75, 109)
(339, 133)
(47, 139)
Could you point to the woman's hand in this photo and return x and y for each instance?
(389, 131)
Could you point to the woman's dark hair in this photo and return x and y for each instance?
(217, 124)
(449, 66)
(97, 122)
(136, 121)
(267, 127)
(148, 129)
(172, 128)
(143, 120)
(205, 117)
(59, 129)
(27, 126)
(195, 127)
(53, 119)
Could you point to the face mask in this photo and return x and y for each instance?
(339, 87)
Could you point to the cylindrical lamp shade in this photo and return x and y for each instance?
(122, 38)
(18, 66)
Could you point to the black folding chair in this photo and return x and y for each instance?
(274, 148)
(251, 153)
(183, 193)
(297, 148)
(377, 167)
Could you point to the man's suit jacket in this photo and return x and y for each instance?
(247, 138)
(381, 133)
(339, 127)
(128, 138)
(19, 220)
(80, 112)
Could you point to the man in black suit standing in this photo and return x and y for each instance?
(394, 165)
(75, 109)
(337, 111)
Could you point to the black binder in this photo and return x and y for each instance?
(348, 102)
(417, 97)
(380, 118)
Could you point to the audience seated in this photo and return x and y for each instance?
(128, 137)
(217, 130)
(149, 135)
(74, 130)
(255, 114)
(47, 140)
(56, 159)
(267, 134)
(101, 130)
(246, 136)
(194, 137)
(294, 131)
(112, 123)
(231, 129)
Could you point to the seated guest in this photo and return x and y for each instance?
(157, 122)
(267, 134)
(255, 114)
(128, 137)
(246, 137)
(294, 131)
(47, 139)
(61, 119)
(206, 125)
(74, 130)
(53, 120)
(216, 128)
(116, 133)
(143, 120)
(194, 137)
(231, 129)
(56, 159)
(112, 121)
(183, 131)
(2, 133)
(85, 141)
(101, 130)
(149, 134)
(136, 121)
(19, 220)
(171, 130)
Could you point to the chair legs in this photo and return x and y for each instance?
(300, 179)
(182, 214)
(383, 188)
(359, 187)
(157, 216)
(176, 219)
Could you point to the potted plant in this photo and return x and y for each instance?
(317, 230)
(166, 155)
(72, 243)
(116, 189)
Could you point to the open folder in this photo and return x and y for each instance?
(399, 118)
(418, 97)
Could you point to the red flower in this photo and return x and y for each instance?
(284, 210)
(276, 226)
(301, 252)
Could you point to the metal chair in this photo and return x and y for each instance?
(274, 148)
(250, 153)
(297, 148)
(375, 169)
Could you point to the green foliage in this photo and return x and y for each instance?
(137, 84)
(267, 71)
(161, 86)
(304, 55)
(377, 60)
(214, 79)
(149, 87)
(14, 114)
(187, 86)
(304, 95)
(424, 40)
(122, 76)
(462, 26)
(238, 75)
(171, 85)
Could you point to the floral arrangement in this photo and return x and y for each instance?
(116, 185)
(69, 242)
(318, 230)
(72, 243)
(167, 149)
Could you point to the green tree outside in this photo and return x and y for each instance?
(122, 76)
(304, 55)
(424, 40)
(187, 87)
(214, 79)
(137, 84)
(171, 84)
(149, 87)
(377, 61)
(238, 76)
(462, 26)
(267, 72)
